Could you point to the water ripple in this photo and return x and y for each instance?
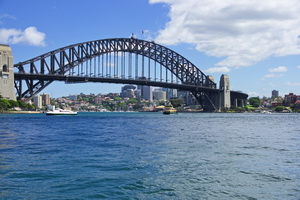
(150, 156)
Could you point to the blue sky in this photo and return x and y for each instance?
(255, 42)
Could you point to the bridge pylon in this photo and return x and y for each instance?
(225, 99)
(6, 73)
(215, 101)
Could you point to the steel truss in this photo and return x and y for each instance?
(36, 72)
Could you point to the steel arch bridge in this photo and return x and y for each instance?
(118, 60)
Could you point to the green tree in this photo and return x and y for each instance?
(117, 98)
(121, 106)
(30, 106)
(13, 103)
(254, 101)
(22, 104)
(239, 109)
(279, 108)
(4, 104)
(293, 107)
(133, 101)
(177, 102)
(161, 102)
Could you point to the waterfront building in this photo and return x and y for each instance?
(124, 90)
(275, 93)
(290, 98)
(37, 101)
(130, 93)
(159, 94)
(45, 99)
(297, 104)
(138, 93)
(171, 93)
(7, 84)
(275, 103)
(145, 92)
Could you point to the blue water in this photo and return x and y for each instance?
(150, 156)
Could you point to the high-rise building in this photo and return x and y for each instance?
(138, 93)
(7, 84)
(124, 90)
(145, 92)
(159, 94)
(171, 93)
(275, 93)
(45, 99)
(130, 93)
(37, 101)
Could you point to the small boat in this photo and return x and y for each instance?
(61, 112)
(169, 110)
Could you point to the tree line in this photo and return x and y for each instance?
(9, 104)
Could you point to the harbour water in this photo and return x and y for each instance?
(150, 156)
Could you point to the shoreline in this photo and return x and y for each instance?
(21, 112)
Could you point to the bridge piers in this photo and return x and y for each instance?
(221, 99)
(6, 73)
(225, 92)
(237, 102)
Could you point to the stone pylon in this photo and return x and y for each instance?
(225, 92)
(7, 89)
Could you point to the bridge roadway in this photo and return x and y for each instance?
(235, 95)
(84, 79)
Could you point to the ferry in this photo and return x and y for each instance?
(169, 110)
(61, 112)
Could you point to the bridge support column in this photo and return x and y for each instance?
(7, 73)
(241, 103)
(235, 103)
(225, 92)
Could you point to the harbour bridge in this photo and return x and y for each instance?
(122, 60)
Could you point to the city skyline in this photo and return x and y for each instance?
(255, 43)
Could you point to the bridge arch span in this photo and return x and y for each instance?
(66, 63)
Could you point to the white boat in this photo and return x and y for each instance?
(61, 112)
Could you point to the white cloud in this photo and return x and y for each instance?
(244, 32)
(30, 36)
(6, 16)
(278, 69)
(298, 67)
(293, 84)
(271, 76)
(217, 70)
